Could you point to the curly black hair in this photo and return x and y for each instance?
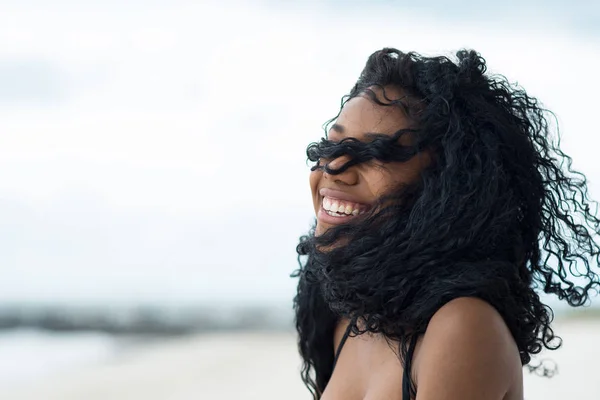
(499, 214)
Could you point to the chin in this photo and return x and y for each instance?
(320, 229)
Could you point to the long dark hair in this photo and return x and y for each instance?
(499, 215)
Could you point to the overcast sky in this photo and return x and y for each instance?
(154, 151)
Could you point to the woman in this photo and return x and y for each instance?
(442, 205)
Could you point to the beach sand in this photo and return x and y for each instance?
(265, 366)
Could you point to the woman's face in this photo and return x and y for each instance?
(339, 198)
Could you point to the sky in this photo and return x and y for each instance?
(155, 151)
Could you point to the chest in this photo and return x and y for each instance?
(367, 368)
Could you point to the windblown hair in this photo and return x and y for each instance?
(499, 214)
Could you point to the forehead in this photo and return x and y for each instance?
(361, 116)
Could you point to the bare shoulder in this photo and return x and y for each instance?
(467, 318)
(467, 352)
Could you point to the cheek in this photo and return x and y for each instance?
(382, 179)
(314, 179)
(379, 180)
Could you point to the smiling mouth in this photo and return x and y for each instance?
(341, 208)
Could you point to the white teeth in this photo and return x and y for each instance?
(333, 214)
(340, 209)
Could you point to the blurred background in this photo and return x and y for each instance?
(154, 183)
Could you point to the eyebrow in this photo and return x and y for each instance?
(370, 135)
(338, 128)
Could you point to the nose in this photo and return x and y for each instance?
(349, 177)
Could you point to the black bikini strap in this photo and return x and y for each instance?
(344, 338)
(407, 389)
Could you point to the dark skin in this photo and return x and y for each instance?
(365, 182)
(467, 351)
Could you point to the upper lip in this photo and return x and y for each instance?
(337, 194)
